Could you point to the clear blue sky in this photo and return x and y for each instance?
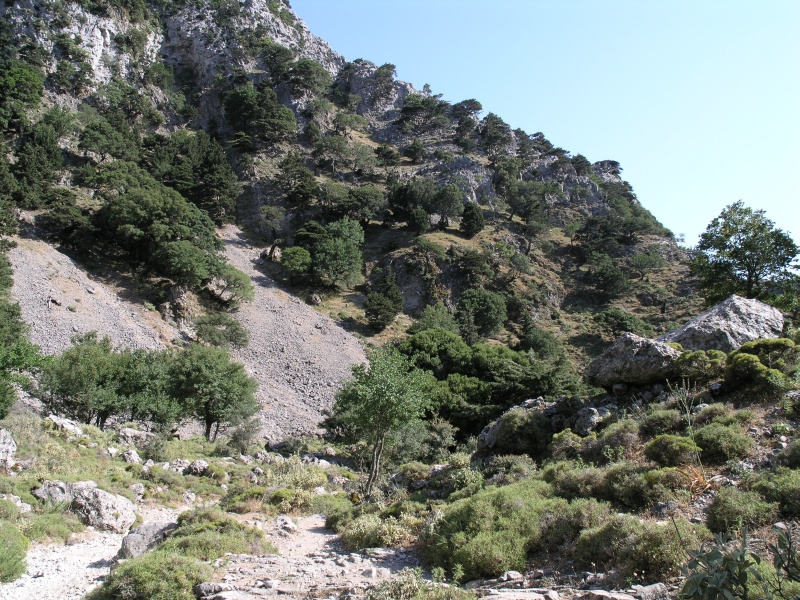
(698, 100)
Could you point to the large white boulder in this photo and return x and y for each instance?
(104, 510)
(728, 325)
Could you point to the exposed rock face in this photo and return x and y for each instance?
(104, 510)
(144, 538)
(8, 447)
(635, 360)
(66, 425)
(58, 492)
(728, 325)
(134, 437)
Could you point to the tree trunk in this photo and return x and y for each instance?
(377, 451)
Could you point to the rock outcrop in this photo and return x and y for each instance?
(728, 325)
(59, 492)
(633, 360)
(8, 448)
(104, 510)
(144, 538)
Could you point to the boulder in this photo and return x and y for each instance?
(144, 538)
(8, 447)
(728, 325)
(23, 507)
(134, 437)
(59, 492)
(197, 467)
(131, 456)
(66, 425)
(634, 360)
(104, 510)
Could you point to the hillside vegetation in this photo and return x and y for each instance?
(482, 267)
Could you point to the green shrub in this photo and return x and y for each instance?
(52, 526)
(722, 443)
(701, 365)
(762, 365)
(662, 420)
(288, 500)
(790, 456)
(712, 412)
(672, 450)
(156, 576)
(8, 511)
(243, 498)
(569, 480)
(567, 445)
(733, 509)
(782, 487)
(508, 468)
(648, 551)
(410, 585)
(522, 431)
(492, 531)
(616, 441)
(13, 547)
(208, 533)
(370, 531)
(630, 486)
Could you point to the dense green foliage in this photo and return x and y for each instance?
(13, 548)
(379, 400)
(742, 252)
(92, 381)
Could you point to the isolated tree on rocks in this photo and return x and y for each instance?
(379, 400)
(742, 252)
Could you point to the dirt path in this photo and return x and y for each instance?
(312, 562)
(298, 356)
(68, 572)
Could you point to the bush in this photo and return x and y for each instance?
(492, 531)
(632, 487)
(370, 531)
(782, 487)
(410, 585)
(521, 431)
(156, 576)
(662, 420)
(790, 456)
(672, 450)
(8, 511)
(648, 551)
(52, 526)
(13, 547)
(733, 509)
(722, 443)
(208, 533)
(290, 500)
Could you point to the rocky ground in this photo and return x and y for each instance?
(67, 572)
(298, 356)
(59, 300)
(312, 564)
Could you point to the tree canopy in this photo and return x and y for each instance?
(743, 253)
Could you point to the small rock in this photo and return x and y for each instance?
(656, 591)
(112, 452)
(131, 456)
(189, 497)
(207, 588)
(144, 538)
(511, 576)
(23, 507)
(138, 490)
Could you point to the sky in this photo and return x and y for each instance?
(698, 100)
